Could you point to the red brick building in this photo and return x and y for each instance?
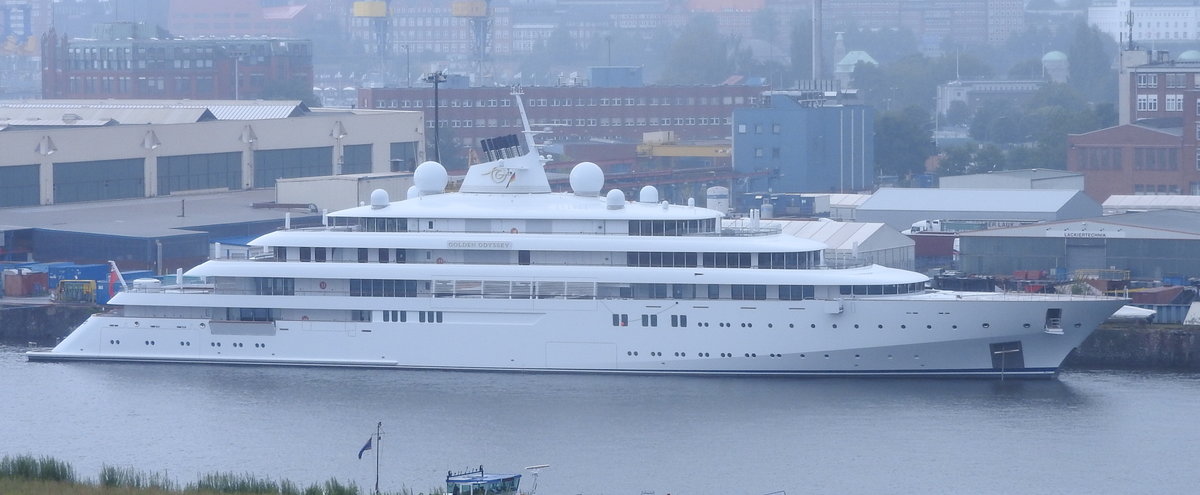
(575, 112)
(131, 63)
(1154, 150)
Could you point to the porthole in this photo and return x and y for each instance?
(812, 325)
(635, 353)
(770, 325)
(218, 344)
(747, 354)
(772, 354)
(954, 327)
(889, 356)
(743, 325)
(856, 325)
(856, 356)
(929, 327)
(153, 342)
(181, 342)
(628, 353)
(753, 354)
(112, 342)
(987, 325)
(750, 325)
(676, 354)
(118, 341)
(683, 354)
(902, 327)
(189, 344)
(916, 356)
(835, 325)
(212, 344)
(147, 342)
(802, 356)
(881, 327)
(826, 356)
(1026, 325)
(1077, 325)
(791, 325)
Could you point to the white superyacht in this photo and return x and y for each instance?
(505, 275)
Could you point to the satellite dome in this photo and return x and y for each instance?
(1189, 56)
(1054, 56)
(412, 192)
(379, 199)
(615, 199)
(648, 195)
(587, 179)
(430, 178)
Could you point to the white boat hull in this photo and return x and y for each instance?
(926, 334)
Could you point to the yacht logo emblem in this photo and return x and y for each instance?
(501, 174)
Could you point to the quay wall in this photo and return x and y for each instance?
(1111, 346)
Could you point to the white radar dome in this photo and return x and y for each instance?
(379, 199)
(412, 192)
(587, 179)
(615, 199)
(430, 178)
(649, 194)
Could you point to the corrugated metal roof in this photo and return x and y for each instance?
(1153, 202)
(959, 200)
(150, 111)
(847, 200)
(835, 235)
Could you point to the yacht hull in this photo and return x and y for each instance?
(934, 334)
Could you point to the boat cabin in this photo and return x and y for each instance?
(477, 482)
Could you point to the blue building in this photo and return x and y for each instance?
(805, 141)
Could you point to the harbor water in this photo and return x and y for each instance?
(1085, 432)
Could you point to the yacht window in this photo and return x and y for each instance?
(305, 254)
(383, 255)
(274, 286)
(280, 253)
(796, 292)
(683, 291)
(401, 255)
(320, 254)
(714, 291)
(363, 255)
(748, 292)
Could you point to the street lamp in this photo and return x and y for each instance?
(436, 78)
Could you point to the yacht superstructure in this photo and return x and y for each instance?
(506, 275)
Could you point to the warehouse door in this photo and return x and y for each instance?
(1085, 254)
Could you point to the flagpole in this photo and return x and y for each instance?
(379, 443)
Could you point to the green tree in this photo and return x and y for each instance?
(955, 160)
(903, 141)
(701, 55)
(801, 46)
(989, 157)
(958, 113)
(1091, 55)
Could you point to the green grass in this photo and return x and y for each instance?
(29, 475)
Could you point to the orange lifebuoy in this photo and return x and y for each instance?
(514, 230)
(323, 284)
(305, 317)
(440, 261)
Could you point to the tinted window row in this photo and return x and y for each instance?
(873, 290)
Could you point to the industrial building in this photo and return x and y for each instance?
(1031, 178)
(853, 243)
(806, 141)
(66, 151)
(1141, 246)
(900, 208)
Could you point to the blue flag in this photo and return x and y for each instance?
(365, 448)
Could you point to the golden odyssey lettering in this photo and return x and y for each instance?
(478, 244)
